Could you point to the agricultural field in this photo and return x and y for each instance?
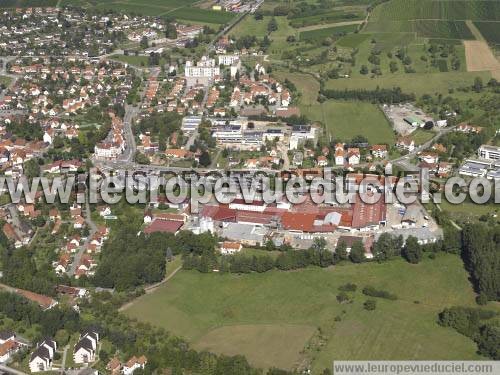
(352, 40)
(423, 28)
(184, 11)
(270, 317)
(437, 10)
(416, 83)
(490, 31)
(27, 3)
(353, 14)
(320, 34)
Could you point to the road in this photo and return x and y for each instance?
(83, 247)
(10, 370)
(63, 363)
(130, 147)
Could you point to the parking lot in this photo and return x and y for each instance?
(397, 114)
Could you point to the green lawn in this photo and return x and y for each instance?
(345, 120)
(250, 26)
(307, 86)
(419, 84)
(5, 80)
(420, 136)
(268, 316)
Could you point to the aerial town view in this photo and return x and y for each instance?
(249, 187)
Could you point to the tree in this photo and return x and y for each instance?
(31, 168)
(370, 305)
(144, 42)
(342, 297)
(341, 251)
(386, 247)
(412, 251)
(357, 254)
(272, 25)
(364, 69)
(141, 158)
(478, 84)
(205, 159)
(171, 31)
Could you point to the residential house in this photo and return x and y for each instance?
(339, 154)
(41, 359)
(379, 151)
(230, 248)
(133, 364)
(353, 156)
(406, 144)
(86, 348)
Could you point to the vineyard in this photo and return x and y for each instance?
(437, 9)
(440, 29)
(490, 31)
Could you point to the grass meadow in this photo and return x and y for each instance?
(269, 317)
(184, 11)
(417, 83)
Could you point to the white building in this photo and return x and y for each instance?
(301, 133)
(230, 248)
(133, 364)
(489, 152)
(201, 73)
(41, 358)
(86, 348)
(107, 150)
(228, 59)
(190, 124)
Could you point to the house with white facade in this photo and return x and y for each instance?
(41, 359)
(86, 348)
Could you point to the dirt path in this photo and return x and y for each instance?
(327, 25)
(150, 289)
(474, 30)
(480, 58)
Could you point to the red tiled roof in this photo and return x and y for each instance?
(165, 226)
(298, 221)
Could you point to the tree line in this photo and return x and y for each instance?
(387, 96)
(477, 324)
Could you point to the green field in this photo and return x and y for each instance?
(424, 28)
(352, 40)
(250, 26)
(183, 11)
(432, 18)
(420, 136)
(418, 84)
(269, 316)
(345, 120)
(320, 34)
(27, 3)
(437, 9)
(490, 31)
(329, 17)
